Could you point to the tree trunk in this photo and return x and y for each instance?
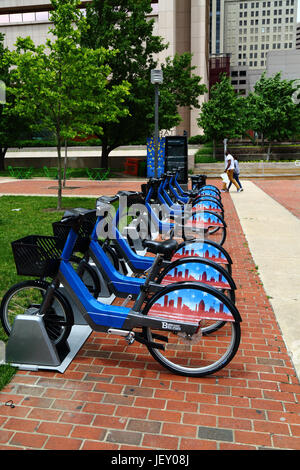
(59, 168)
(2, 156)
(65, 163)
(104, 155)
(269, 151)
(214, 149)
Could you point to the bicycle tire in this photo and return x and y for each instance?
(58, 319)
(218, 233)
(193, 357)
(88, 275)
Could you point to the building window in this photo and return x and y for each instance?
(16, 18)
(28, 17)
(42, 16)
(4, 18)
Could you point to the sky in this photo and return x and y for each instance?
(298, 11)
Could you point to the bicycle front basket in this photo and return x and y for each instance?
(37, 255)
(61, 230)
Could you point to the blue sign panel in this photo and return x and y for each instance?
(151, 157)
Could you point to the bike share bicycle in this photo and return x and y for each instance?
(168, 323)
(181, 308)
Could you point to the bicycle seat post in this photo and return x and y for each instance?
(151, 275)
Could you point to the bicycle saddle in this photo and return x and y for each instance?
(166, 248)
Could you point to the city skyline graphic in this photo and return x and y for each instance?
(190, 305)
(196, 272)
(208, 205)
(204, 219)
(201, 250)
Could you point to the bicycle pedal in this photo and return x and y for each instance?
(126, 300)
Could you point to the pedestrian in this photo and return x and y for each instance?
(229, 169)
(236, 174)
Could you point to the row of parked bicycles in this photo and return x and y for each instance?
(161, 251)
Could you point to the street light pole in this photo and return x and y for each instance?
(156, 79)
(156, 130)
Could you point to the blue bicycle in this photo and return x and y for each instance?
(171, 323)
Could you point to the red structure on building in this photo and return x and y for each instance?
(218, 64)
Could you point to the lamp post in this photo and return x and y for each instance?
(156, 80)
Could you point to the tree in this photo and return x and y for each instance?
(225, 115)
(123, 24)
(12, 128)
(62, 86)
(275, 114)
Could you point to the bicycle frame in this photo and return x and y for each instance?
(120, 319)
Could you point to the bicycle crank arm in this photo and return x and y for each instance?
(131, 336)
(143, 340)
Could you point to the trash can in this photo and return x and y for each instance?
(142, 168)
(194, 179)
(198, 181)
(132, 166)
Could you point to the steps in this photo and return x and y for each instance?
(260, 169)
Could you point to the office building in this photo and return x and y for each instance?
(183, 24)
(247, 30)
(298, 36)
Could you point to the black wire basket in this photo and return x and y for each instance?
(61, 230)
(37, 255)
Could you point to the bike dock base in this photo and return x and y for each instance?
(29, 347)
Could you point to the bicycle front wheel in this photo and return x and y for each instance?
(203, 353)
(26, 295)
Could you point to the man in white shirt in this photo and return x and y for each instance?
(229, 168)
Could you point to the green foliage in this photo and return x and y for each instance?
(275, 114)
(132, 34)
(197, 139)
(12, 127)
(63, 87)
(224, 115)
(6, 374)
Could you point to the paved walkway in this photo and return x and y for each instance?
(116, 397)
(73, 187)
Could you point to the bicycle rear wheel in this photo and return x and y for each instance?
(201, 354)
(26, 295)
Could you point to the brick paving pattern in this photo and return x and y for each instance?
(115, 396)
(286, 192)
(73, 187)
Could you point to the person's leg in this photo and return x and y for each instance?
(231, 179)
(236, 177)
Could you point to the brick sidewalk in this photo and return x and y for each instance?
(286, 192)
(74, 187)
(116, 397)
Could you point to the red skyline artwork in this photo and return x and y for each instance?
(178, 276)
(204, 223)
(182, 312)
(207, 207)
(183, 253)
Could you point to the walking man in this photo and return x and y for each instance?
(236, 174)
(229, 168)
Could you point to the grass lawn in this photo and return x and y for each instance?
(72, 173)
(32, 217)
